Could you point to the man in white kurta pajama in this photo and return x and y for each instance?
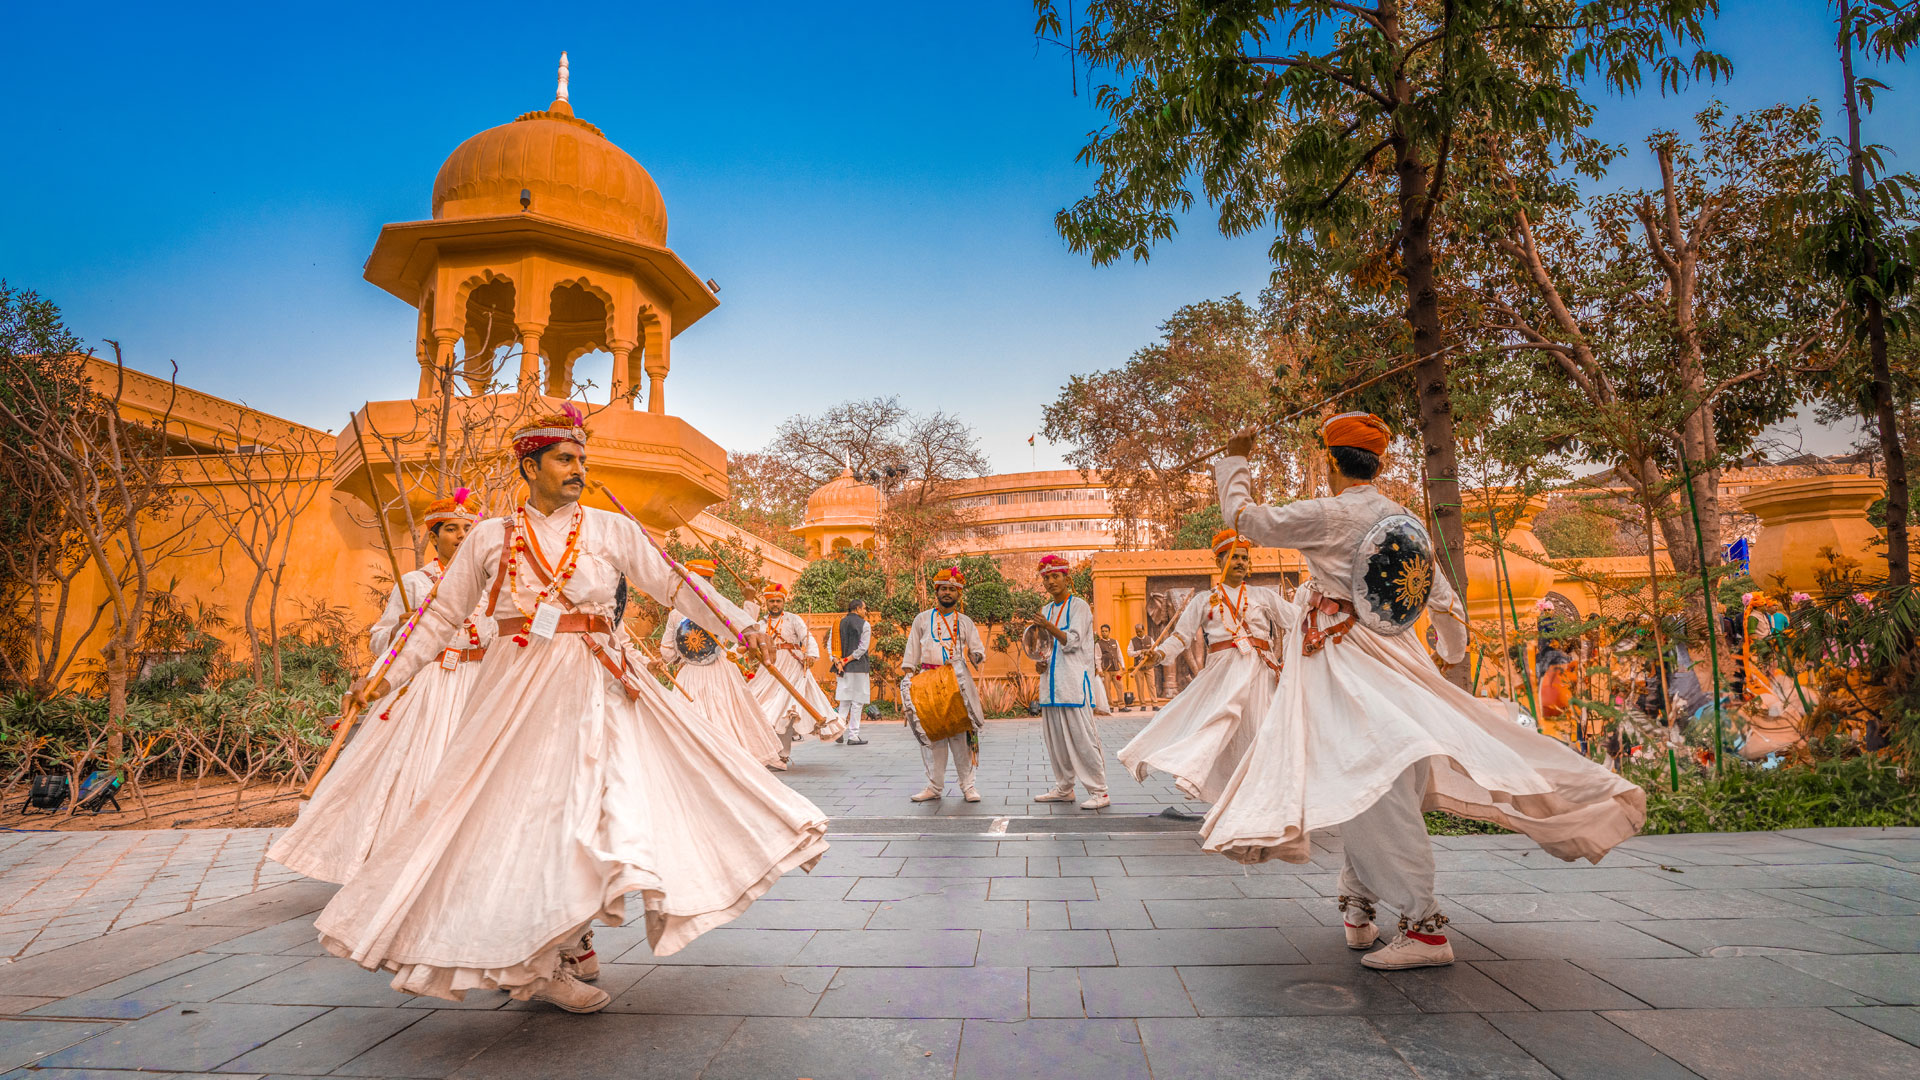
(794, 652)
(572, 781)
(1201, 735)
(1069, 692)
(944, 636)
(1365, 733)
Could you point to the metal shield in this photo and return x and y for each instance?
(696, 645)
(1393, 572)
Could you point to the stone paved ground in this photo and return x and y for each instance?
(1108, 947)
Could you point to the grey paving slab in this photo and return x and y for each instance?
(1054, 992)
(1889, 978)
(726, 991)
(1738, 937)
(1569, 941)
(323, 980)
(725, 946)
(1291, 990)
(804, 915)
(1871, 901)
(87, 964)
(1456, 988)
(1586, 1046)
(1708, 904)
(942, 913)
(903, 888)
(1227, 912)
(1045, 948)
(1215, 887)
(1135, 992)
(1022, 1050)
(890, 948)
(1771, 1044)
(1900, 1021)
(1042, 888)
(326, 1042)
(439, 1043)
(1277, 887)
(185, 1037)
(26, 1041)
(1538, 907)
(1740, 982)
(1169, 948)
(222, 977)
(1458, 1048)
(602, 1047)
(862, 1049)
(1047, 915)
(120, 1008)
(1557, 985)
(1900, 933)
(1282, 1048)
(957, 993)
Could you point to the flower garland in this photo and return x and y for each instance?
(559, 574)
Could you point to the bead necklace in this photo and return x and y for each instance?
(557, 575)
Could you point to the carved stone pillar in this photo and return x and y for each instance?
(530, 354)
(620, 394)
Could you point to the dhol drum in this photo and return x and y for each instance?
(939, 704)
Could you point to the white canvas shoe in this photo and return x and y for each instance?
(1407, 951)
(1096, 802)
(971, 795)
(1056, 795)
(928, 794)
(572, 995)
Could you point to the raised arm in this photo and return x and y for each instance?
(1291, 526)
(1188, 626)
(634, 555)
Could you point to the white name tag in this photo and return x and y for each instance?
(450, 659)
(546, 620)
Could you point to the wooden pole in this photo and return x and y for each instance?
(350, 715)
(772, 669)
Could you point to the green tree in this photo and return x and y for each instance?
(1197, 529)
(1338, 125)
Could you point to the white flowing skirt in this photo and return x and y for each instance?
(1345, 722)
(722, 695)
(1200, 737)
(390, 764)
(781, 708)
(562, 797)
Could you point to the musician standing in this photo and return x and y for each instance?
(853, 687)
(1067, 695)
(1366, 733)
(1143, 672)
(794, 654)
(943, 635)
(1109, 665)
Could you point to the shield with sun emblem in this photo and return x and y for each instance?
(1392, 574)
(696, 645)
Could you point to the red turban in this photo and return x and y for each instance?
(1054, 564)
(567, 425)
(1362, 431)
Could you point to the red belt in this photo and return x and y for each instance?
(573, 623)
(930, 667)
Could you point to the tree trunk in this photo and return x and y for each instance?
(116, 656)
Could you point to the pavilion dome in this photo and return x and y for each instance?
(574, 173)
(843, 501)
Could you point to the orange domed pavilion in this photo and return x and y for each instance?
(842, 513)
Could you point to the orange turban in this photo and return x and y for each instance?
(1226, 540)
(950, 576)
(463, 506)
(1362, 431)
(704, 567)
(774, 589)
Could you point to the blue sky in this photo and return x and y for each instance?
(872, 185)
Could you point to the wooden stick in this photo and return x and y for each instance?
(771, 668)
(1297, 413)
(349, 715)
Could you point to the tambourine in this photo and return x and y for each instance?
(1036, 643)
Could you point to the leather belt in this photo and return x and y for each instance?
(1259, 643)
(571, 623)
(467, 656)
(1313, 637)
(790, 647)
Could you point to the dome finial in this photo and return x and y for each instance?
(561, 93)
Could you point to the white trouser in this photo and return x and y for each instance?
(1388, 854)
(934, 756)
(850, 712)
(1073, 746)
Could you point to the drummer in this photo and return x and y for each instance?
(944, 635)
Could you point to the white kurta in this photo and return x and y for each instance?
(794, 654)
(1070, 694)
(1347, 722)
(721, 692)
(1201, 735)
(938, 640)
(562, 795)
(395, 754)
